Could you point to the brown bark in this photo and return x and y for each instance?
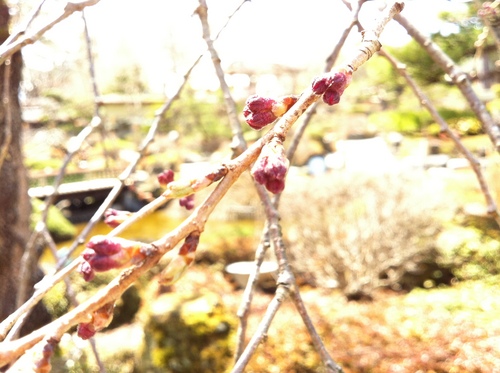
(14, 201)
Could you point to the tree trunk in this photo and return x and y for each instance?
(15, 205)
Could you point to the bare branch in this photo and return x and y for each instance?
(238, 145)
(424, 101)
(458, 77)
(8, 49)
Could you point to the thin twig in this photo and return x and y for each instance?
(238, 144)
(261, 331)
(286, 278)
(95, 89)
(8, 112)
(9, 49)
(22, 30)
(246, 299)
(50, 280)
(195, 222)
(458, 77)
(425, 102)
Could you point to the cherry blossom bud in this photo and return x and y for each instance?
(260, 111)
(259, 120)
(331, 97)
(166, 177)
(187, 202)
(103, 254)
(87, 272)
(182, 261)
(331, 86)
(271, 167)
(86, 330)
(257, 104)
(321, 83)
(100, 319)
(114, 218)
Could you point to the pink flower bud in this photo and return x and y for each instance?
(114, 218)
(187, 202)
(166, 177)
(261, 111)
(101, 318)
(86, 330)
(275, 186)
(257, 104)
(271, 167)
(331, 86)
(321, 83)
(259, 120)
(87, 272)
(103, 254)
(331, 97)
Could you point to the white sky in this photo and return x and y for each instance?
(164, 38)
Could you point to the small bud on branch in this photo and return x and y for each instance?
(271, 167)
(114, 218)
(260, 111)
(100, 319)
(179, 264)
(166, 177)
(105, 253)
(331, 86)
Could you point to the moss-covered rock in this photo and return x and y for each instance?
(187, 333)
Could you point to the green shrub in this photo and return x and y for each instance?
(407, 122)
(469, 252)
(60, 228)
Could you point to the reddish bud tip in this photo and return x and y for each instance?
(86, 330)
(103, 253)
(259, 120)
(331, 97)
(166, 177)
(104, 246)
(190, 243)
(271, 167)
(187, 202)
(275, 186)
(114, 218)
(257, 104)
(87, 272)
(321, 83)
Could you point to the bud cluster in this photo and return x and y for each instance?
(100, 319)
(331, 86)
(271, 167)
(187, 202)
(105, 253)
(165, 177)
(260, 111)
(182, 261)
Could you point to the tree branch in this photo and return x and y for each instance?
(425, 102)
(458, 77)
(8, 49)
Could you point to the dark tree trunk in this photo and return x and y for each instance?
(14, 201)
